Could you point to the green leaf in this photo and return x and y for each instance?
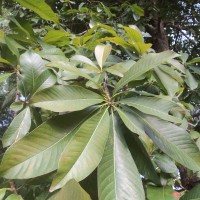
(101, 53)
(153, 106)
(118, 177)
(190, 80)
(18, 128)
(162, 193)
(137, 10)
(172, 140)
(145, 64)
(65, 98)
(71, 191)
(3, 192)
(4, 77)
(192, 194)
(83, 59)
(177, 65)
(5, 61)
(39, 151)
(45, 80)
(14, 197)
(195, 60)
(31, 65)
(141, 157)
(84, 151)
(133, 34)
(41, 8)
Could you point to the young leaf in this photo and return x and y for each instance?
(18, 128)
(39, 151)
(101, 53)
(41, 8)
(65, 98)
(71, 191)
(118, 177)
(84, 151)
(146, 63)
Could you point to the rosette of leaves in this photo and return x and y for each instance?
(99, 117)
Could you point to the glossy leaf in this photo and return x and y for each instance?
(71, 191)
(84, 151)
(18, 128)
(118, 177)
(39, 151)
(172, 140)
(146, 63)
(101, 53)
(65, 98)
(153, 106)
(4, 77)
(32, 66)
(41, 8)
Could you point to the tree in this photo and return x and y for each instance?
(94, 108)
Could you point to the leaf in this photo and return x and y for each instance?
(3, 192)
(84, 151)
(71, 191)
(5, 61)
(118, 177)
(146, 63)
(172, 140)
(38, 152)
(141, 157)
(65, 98)
(165, 164)
(41, 8)
(153, 106)
(45, 80)
(162, 193)
(14, 197)
(18, 128)
(192, 194)
(190, 80)
(133, 34)
(4, 76)
(83, 59)
(31, 65)
(195, 60)
(177, 65)
(101, 53)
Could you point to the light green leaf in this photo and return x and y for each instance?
(45, 80)
(145, 64)
(14, 197)
(3, 192)
(38, 152)
(17, 106)
(177, 65)
(32, 66)
(18, 128)
(83, 59)
(190, 80)
(84, 151)
(41, 8)
(65, 98)
(4, 77)
(192, 194)
(118, 177)
(133, 34)
(195, 60)
(5, 61)
(162, 193)
(153, 106)
(172, 140)
(71, 191)
(101, 53)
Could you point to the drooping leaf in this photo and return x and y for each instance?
(39, 151)
(84, 151)
(18, 128)
(141, 157)
(31, 65)
(190, 80)
(71, 191)
(65, 98)
(4, 76)
(101, 53)
(118, 177)
(172, 140)
(41, 8)
(153, 106)
(145, 64)
(162, 193)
